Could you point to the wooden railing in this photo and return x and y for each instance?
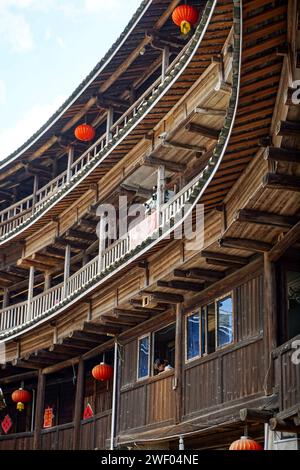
(14, 216)
(287, 374)
(43, 304)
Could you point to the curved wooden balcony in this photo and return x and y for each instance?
(22, 215)
(16, 319)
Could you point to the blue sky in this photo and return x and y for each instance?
(47, 47)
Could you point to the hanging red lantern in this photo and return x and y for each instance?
(103, 372)
(21, 397)
(85, 132)
(185, 16)
(245, 443)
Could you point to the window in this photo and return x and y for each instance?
(164, 347)
(224, 321)
(210, 328)
(293, 298)
(193, 336)
(143, 357)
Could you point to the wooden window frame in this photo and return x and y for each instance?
(203, 309)
(188, 361)
(140, 338)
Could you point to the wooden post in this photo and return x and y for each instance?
(78, 405)
(270, 320)
(5, 302)
(70, 162)
(101, 244)
(110, 119)
(47, 283)
(165, 62)
(30, 292)
(178, 384)
(34, 192)
(160, 190)
(67, 269)
(39, 410)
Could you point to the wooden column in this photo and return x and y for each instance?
(270, 320)
(178, 382)
(70, 162)
(47, 283)
(30, 292)
(165, 62)
(78, 405)
(34, 192)
(161, 176)
(67, 268)
(39, 410)
(110, 119)
(5, 302)
(101, 243)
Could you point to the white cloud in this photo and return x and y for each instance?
(2, 92)
(13, 137)
(107, 5)
(15, 31)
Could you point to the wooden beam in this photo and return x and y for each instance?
(178, 377)
(79, 397)
(169, 165)
(41, 386)
(265, 218)
(181, 285)
(280, 425)
(64, 349)
(110, 320)
(18, 378)
(208, 132)
(73, 244)
(86, 236)
(139, 304)
(255, 415)
(245, 244)
(284, 182)
(87, 337)
(140, 191)
(289, 239)
(270, 321)
(205, 274)
(288, 128)
(182, 146)
(134, 314)
(225, 257)
(101, 329)
(61, 366)
(282, 155)
(165, 297)
(211, 112)
(78, 344)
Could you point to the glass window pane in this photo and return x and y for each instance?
(211, 328)
(225, 316)
(203, 331)
(144, 351)
(193, 336)
(293, 290)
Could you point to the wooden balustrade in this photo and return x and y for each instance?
(18, 315)
(12, 217)
(287, 373)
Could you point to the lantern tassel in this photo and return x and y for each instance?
(185, 27)
(20, 407)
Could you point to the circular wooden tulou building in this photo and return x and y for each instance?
(150, 242)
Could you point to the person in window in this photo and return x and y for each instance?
(161, 366)
(150, 205)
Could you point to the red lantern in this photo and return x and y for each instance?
(85, 132)
(102, 372)
(21, 397)
(185, 16)
(245, 443)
